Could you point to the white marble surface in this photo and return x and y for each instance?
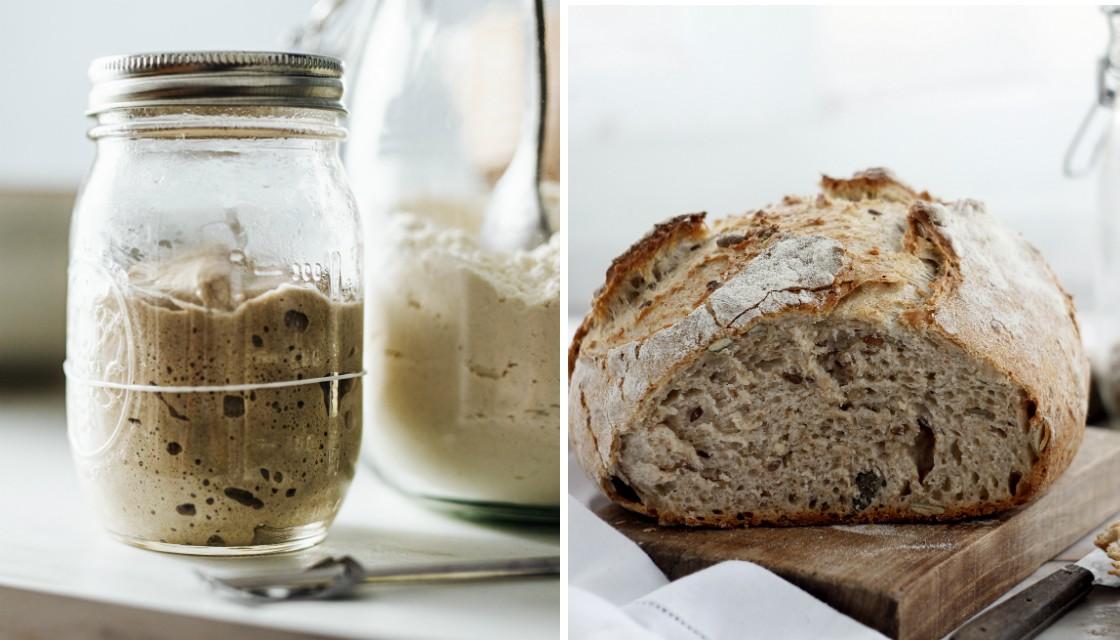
(52, 544)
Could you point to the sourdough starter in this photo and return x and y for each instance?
(225, 468)
(464, 361)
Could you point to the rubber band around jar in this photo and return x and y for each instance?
(78, 449)
(213, 388)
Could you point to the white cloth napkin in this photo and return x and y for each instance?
(616, 592)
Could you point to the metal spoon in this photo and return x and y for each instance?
(515, 216)
(335, 577)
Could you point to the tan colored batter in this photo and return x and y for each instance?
(225, 468)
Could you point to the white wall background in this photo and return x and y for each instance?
(678, 109)
(46, 46)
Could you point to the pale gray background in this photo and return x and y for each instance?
(45, 48)
(679, 109)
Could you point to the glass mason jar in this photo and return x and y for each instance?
(463, 340)
(214, 336)
(1104, 317)
(1096, 147)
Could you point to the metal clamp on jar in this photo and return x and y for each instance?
(1094, 147)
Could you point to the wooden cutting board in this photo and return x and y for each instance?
(910, 581)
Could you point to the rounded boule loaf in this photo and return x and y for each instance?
(866, 354)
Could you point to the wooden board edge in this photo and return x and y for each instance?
(1087, 503)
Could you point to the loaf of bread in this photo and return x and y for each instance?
(868, 354)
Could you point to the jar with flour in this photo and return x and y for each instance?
(463, 340)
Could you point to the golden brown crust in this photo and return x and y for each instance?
(952, 237)
(577, 339)
(870, 184)
(633, 260)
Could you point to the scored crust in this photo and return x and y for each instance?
(689, 226)
(685, 286)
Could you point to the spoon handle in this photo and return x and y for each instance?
(541, 54)
(464, 571)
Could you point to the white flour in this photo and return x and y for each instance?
(464, 360)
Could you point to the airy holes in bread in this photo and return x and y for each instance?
(802, 408)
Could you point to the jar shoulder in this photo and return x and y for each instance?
(284, 206)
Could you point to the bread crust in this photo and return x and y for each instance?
(991, 294)
(676, 229)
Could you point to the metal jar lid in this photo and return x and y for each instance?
(241, 78)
